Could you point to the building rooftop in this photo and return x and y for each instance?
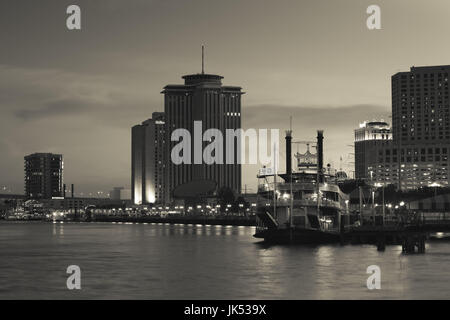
(425, 69)
(367, 124)
(430, 68)
(201, 78)
(40, 154)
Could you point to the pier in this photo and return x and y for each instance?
(410, 234)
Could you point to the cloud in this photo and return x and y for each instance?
(52, 109)
(343, 119)
(338, 122)
(85, 117)
(33, 94)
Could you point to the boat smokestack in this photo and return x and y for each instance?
(320, 154)
(288, 154)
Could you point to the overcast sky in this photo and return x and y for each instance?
(79, 92)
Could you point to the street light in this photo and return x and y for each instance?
(378, 184)
(435, 185)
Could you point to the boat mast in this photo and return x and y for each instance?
(291, 210)
(319, 166)
(274, 182)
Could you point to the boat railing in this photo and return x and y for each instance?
(281, 202)
(283, 186)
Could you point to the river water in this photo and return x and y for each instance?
(162, 261)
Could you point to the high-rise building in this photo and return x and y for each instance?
(420, 106)
(418, 153)
(147, 160)
(370, 138)
(44, 176)
(203, 98)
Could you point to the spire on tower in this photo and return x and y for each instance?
(203, 59)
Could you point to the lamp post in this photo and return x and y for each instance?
(435, 185)
(378, 184)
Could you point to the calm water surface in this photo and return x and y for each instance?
(151, 261)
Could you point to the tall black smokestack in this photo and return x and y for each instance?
(289, 154)
(72, 191)
(64, 190)
(320, 154)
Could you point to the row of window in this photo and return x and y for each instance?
(414, 159)
(414, 151)
(425, 75)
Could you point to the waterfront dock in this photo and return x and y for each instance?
(411, 235)
(230, 220)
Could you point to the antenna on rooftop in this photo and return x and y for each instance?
(203, 59)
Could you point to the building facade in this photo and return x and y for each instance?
(370, 138)
(148, 165)
(202, 98)
(420, 106)
(417, 156)
(44, 176)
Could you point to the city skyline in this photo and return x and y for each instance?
(195, 154)
(415, 152)
(81, 92)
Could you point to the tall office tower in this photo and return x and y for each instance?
(203, 98)
(44, 176)
(420, 106)
(371, 138)
(421, 125)
(147, 160)
(418, 153)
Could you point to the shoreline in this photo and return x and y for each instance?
(186, 220)
(225, 221)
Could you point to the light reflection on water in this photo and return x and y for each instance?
(163, 261)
